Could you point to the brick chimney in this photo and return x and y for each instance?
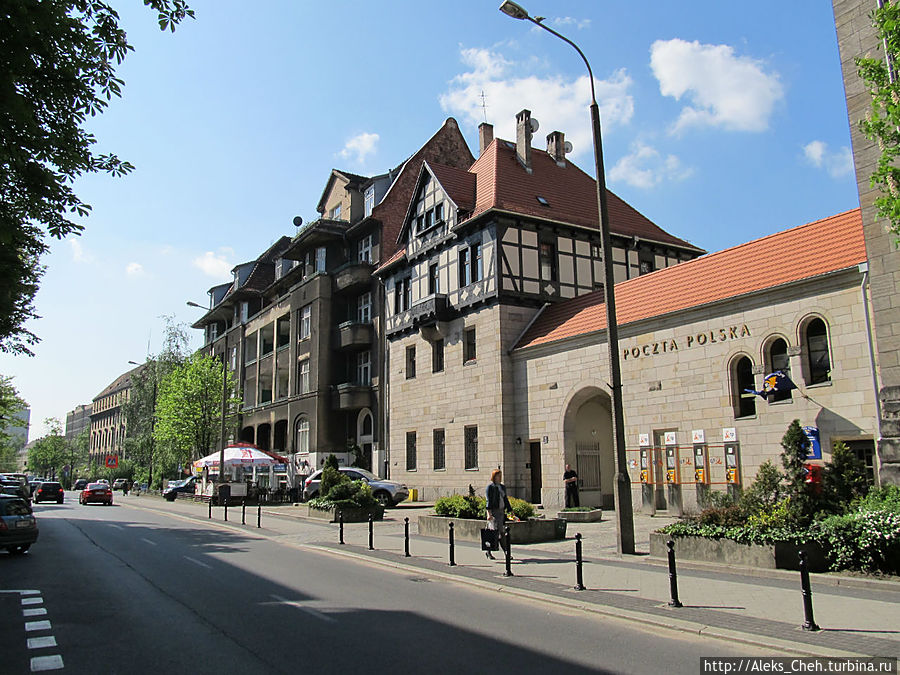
(485, 136)
(556, 147)
(523, 139)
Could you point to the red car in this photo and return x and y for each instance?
(99, 493)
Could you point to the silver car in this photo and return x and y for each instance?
(387, 492)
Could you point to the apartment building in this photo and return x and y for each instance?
(107, 423)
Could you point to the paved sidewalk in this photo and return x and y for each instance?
(858, 616)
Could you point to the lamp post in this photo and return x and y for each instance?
(624, 514)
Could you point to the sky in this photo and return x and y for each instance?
(722, 122)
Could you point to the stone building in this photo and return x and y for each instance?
(108, 419)
(77, 420)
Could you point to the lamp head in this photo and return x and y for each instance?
(512, 9)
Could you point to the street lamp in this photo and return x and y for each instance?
(624, 515)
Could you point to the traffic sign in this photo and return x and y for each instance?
(112, 461)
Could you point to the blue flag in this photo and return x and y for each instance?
(774, 382)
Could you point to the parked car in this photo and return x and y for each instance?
(120, 484)
(176, 486)
(18, 526)
(80, 484)
(387, 492)
(15, 489)
(49, 491)
(98, 492)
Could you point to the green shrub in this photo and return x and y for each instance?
(521, 509)
(461, 506)
(722, 515)
(347, 494)
(580, 508)
(773, 517)
(843, 480)
(885, 498)
(331, 477)
(868, 541)
(765, 491)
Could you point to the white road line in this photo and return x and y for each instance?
(304, 608)
(118, 527)
(41, 642)
(21, 592)
(197, 562)
(36, 625)
(152, 543)
(32, 601)
(38, 611)
(39, 663)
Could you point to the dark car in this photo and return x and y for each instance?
(48, 491)
(15, 489)
(18, 527)
(96, 493)
(80, 484)
(176, 486)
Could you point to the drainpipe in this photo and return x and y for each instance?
(864, 268)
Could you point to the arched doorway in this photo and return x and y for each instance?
(248, 435)
(588, 446)
(365, 436)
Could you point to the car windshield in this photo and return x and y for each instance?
(98, 486)
(368, 474)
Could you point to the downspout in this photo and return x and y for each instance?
(864, 268)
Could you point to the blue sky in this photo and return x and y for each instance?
(722, 122)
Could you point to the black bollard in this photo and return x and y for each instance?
(226, 510)
(210, 508)
(259, 515)
(809, 623)
(244, 511)
(406, 537)
(673, 576)
(508, 572)
(452, 552)
(579, 580)
(341, 528)
(371, 532)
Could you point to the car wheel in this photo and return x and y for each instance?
(383, 498)
(17, 550)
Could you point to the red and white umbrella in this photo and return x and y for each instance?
(238, 455)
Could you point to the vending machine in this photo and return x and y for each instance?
(701, 473)
(733, 469)
(673, 482)
(648, 488)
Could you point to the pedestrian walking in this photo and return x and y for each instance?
(570, 478)
(497, 507)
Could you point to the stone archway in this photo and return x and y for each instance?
(588, 445)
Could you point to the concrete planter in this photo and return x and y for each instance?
(592, 516)
(350, 515)
(523, 532)
(783, 555)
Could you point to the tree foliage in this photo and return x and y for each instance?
(58, 62)
(48, 454)
(11, 404)
(882, 122)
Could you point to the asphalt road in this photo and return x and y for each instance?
(129, 590)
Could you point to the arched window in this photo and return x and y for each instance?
(301, 434)
(777, 358)
(817, 358)
(744, 405)
(367, 425)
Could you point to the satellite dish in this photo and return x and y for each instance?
(298, 221)
(535, 125)
(568, 147)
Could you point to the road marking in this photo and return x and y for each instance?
(39, 611)
(36, 625)
(118, 527)
(197, 562)
(41, 642)
(152, 543)
(22, 592)
(39, 663)
(33, 601)
(304, 608)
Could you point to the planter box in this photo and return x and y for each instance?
(592, 516)
(350, 515)
(783, 555)
(523, 532)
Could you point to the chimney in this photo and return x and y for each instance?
(485, 136)
(556, 147)
(523, 139)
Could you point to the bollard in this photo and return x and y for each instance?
(673, 576)
(371, 532)
(244, 511)
(809, 623)
(406, 537)
(579, 581)
(210, 508)
(226, 510)
(259, 515)
(341, 528)
(452, 552)
(508, 572)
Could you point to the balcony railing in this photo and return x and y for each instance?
(352, 276)
(351, 396)
(354, 335)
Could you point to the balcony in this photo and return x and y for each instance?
(429, 311)
(351, 396)
(352, 276)
(353, 335)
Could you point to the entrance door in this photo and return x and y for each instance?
(536, 479)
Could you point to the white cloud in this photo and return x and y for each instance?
(359, 147)
(79, 255)
(568, 21)
(723, 90)
(837, 164)
(645, 167)
(214, 264)
(134, 269)
(558, 103)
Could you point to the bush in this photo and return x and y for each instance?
(885, 498)
(868, 541)
(765, 491)
(727, 516)
(331, 478)
(347, 494)
(843, 480)
(521, 509)
(460, 506)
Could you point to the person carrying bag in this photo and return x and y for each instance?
(497, 507)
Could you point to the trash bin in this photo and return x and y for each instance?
(224, 494)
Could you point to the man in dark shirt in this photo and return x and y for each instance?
(570, 478)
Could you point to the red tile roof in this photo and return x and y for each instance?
(459, 184)
(803, 252)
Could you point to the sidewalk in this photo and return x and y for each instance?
(858, 616)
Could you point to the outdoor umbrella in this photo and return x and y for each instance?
(237, 455)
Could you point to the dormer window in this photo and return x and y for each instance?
(542, 201)
(336, 213)
(365, 249)
(369, 200)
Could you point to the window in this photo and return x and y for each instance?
(465, 268)
(365, 249)
(433, 279)
(470, 265)
(437, 356)
(336, 212)
(439, 213)
(303, 377)
(410, 450)
(646, 266)
(469, 345)
(250, 348)
(819, 362)
(265, 385)
(364, 368)
(471, 442)
(301, 434)
(369, 203)
(305, 322)
(402, 295)
(778, 360)
(410, 362)
(437, 443)
(548, 261)
(282, 371)
(283, 331)
(320, 259)
(364, 308)
(743, 403)
(267, 339)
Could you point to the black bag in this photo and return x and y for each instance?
(490, 540)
